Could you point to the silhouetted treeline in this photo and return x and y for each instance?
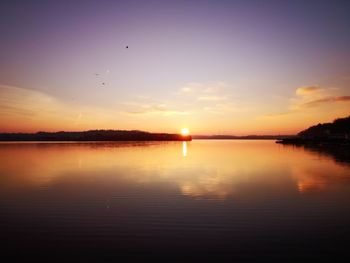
(339, 128)
(94, 135)
(337, 132)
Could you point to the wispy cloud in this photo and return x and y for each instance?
(311, 98)
(315, 96)
(18, 101)
(26, 109)
(211, 98)
(318, 102)
(147, 106)
(196, 88)
(307, 90)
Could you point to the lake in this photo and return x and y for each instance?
(204, 200)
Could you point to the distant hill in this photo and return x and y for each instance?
(338, 129)
(94, 135)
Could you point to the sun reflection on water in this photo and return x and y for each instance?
(184, 149)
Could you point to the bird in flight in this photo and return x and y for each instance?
(127, 47)
(102, 77)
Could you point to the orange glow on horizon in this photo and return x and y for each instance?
(25, 110)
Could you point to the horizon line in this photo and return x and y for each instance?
(136, 130)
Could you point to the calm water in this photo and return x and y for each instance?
(173, 201)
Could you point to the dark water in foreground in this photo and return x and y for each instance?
(172, 201)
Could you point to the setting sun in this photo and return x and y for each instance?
(185, 131)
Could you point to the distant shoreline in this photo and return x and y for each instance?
(93, 135)
(246, 137)
(141, 140)
(314, 141)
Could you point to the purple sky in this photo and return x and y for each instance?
(234, 67)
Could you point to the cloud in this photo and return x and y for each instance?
(309, 100)
(145, 106)
(18, 101)
(158, 111)
(211, 98)
(191, 98)
(32, 110)
(318, 102)
(278, 114)
(199, 89)
(315, 96)
(187, 90)
(307, 90)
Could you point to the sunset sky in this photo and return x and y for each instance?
(216, 67)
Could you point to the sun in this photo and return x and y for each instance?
(185, 131)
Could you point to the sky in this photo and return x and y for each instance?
(216, 67)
